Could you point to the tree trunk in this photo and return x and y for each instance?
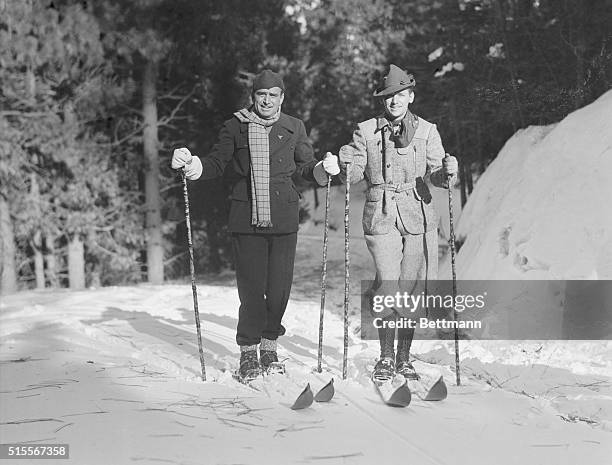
(153, 221)
(76, 263)
(580, 50)
(51, 260)
(8, 268)
(463, 184)
(469, 181)
(479, 144)
(39, 262)
(511, 64)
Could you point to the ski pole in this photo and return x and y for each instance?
(324, 275)
(346, 270)
(452, 247)
(192, 270)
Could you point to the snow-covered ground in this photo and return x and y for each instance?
(115, 373)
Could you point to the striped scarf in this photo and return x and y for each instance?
(259, 149)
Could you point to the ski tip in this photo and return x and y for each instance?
(395, 392)
(326, 393)
(304, 399)
(401, 397)
(438, 391)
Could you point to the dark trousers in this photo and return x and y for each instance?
(264, 273)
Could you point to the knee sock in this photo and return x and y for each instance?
(268, 344)
(248, 348)
(404, 341)
(387, 339)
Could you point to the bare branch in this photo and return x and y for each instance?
(170, 186)
(171, 93)
(129, 136)
(27, 114)
(172, 116)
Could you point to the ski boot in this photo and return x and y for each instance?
(270, 364)
(384, 370)
(405, 368)
(249, 366)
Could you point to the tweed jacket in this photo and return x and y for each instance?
(290, 152)
(396, 176)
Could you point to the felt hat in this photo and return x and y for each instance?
(395, 81)
(268, 79)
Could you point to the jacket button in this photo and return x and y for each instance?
(392, 197)
(277, 193)
(388, 165)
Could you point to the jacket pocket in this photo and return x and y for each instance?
(283, 193)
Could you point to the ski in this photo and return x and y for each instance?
(394, 392)
(428, 391)
(430, 386)
(306, 398)
(303, 400)
(326, 393)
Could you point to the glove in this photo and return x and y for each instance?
(450, 165)
(181, 157)
(330, 164)
(346, 155)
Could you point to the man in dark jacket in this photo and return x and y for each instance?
(265, 147)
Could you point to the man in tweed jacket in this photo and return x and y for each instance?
(264, 148)
(397, 153)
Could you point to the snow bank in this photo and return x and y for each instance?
(541, 211)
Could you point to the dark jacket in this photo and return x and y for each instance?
(290, 152)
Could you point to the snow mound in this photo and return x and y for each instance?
(540, 210)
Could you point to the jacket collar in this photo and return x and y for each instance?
(410, 119)
(285, 122)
